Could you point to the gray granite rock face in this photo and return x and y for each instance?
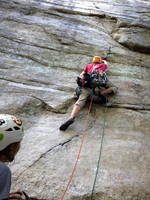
(43, 47)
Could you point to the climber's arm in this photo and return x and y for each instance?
(82, 74)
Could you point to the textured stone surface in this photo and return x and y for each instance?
(43, 47)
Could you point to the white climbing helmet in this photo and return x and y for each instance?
(11, 130)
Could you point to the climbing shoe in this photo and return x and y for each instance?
(65, 125)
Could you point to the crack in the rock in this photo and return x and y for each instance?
(60, 109)
(131, 106)
(6, 79)
(26, 43)
(49, 150)
(52, 148)
(26, 56)
(35, 82)
(64, 106)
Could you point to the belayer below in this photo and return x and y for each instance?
(11, 134)
(91, 82)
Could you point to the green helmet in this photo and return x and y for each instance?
(11, 130)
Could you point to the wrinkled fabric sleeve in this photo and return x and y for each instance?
(104, 67)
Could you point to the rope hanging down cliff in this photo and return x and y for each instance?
(100, 153)
(78, 155)
(80, 149)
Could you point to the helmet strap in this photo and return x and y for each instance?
(10, 157)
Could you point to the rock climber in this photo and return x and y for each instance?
(11, 134)
(99, 66)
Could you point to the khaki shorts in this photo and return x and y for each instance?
(83, 97)
(86, 91)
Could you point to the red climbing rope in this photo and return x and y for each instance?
(78, 155)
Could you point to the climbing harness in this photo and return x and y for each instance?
(98, 79)
(92, 80)
(81, 145)
(97, 98)
(95, 80)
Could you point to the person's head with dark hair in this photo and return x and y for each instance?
(11, 134)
